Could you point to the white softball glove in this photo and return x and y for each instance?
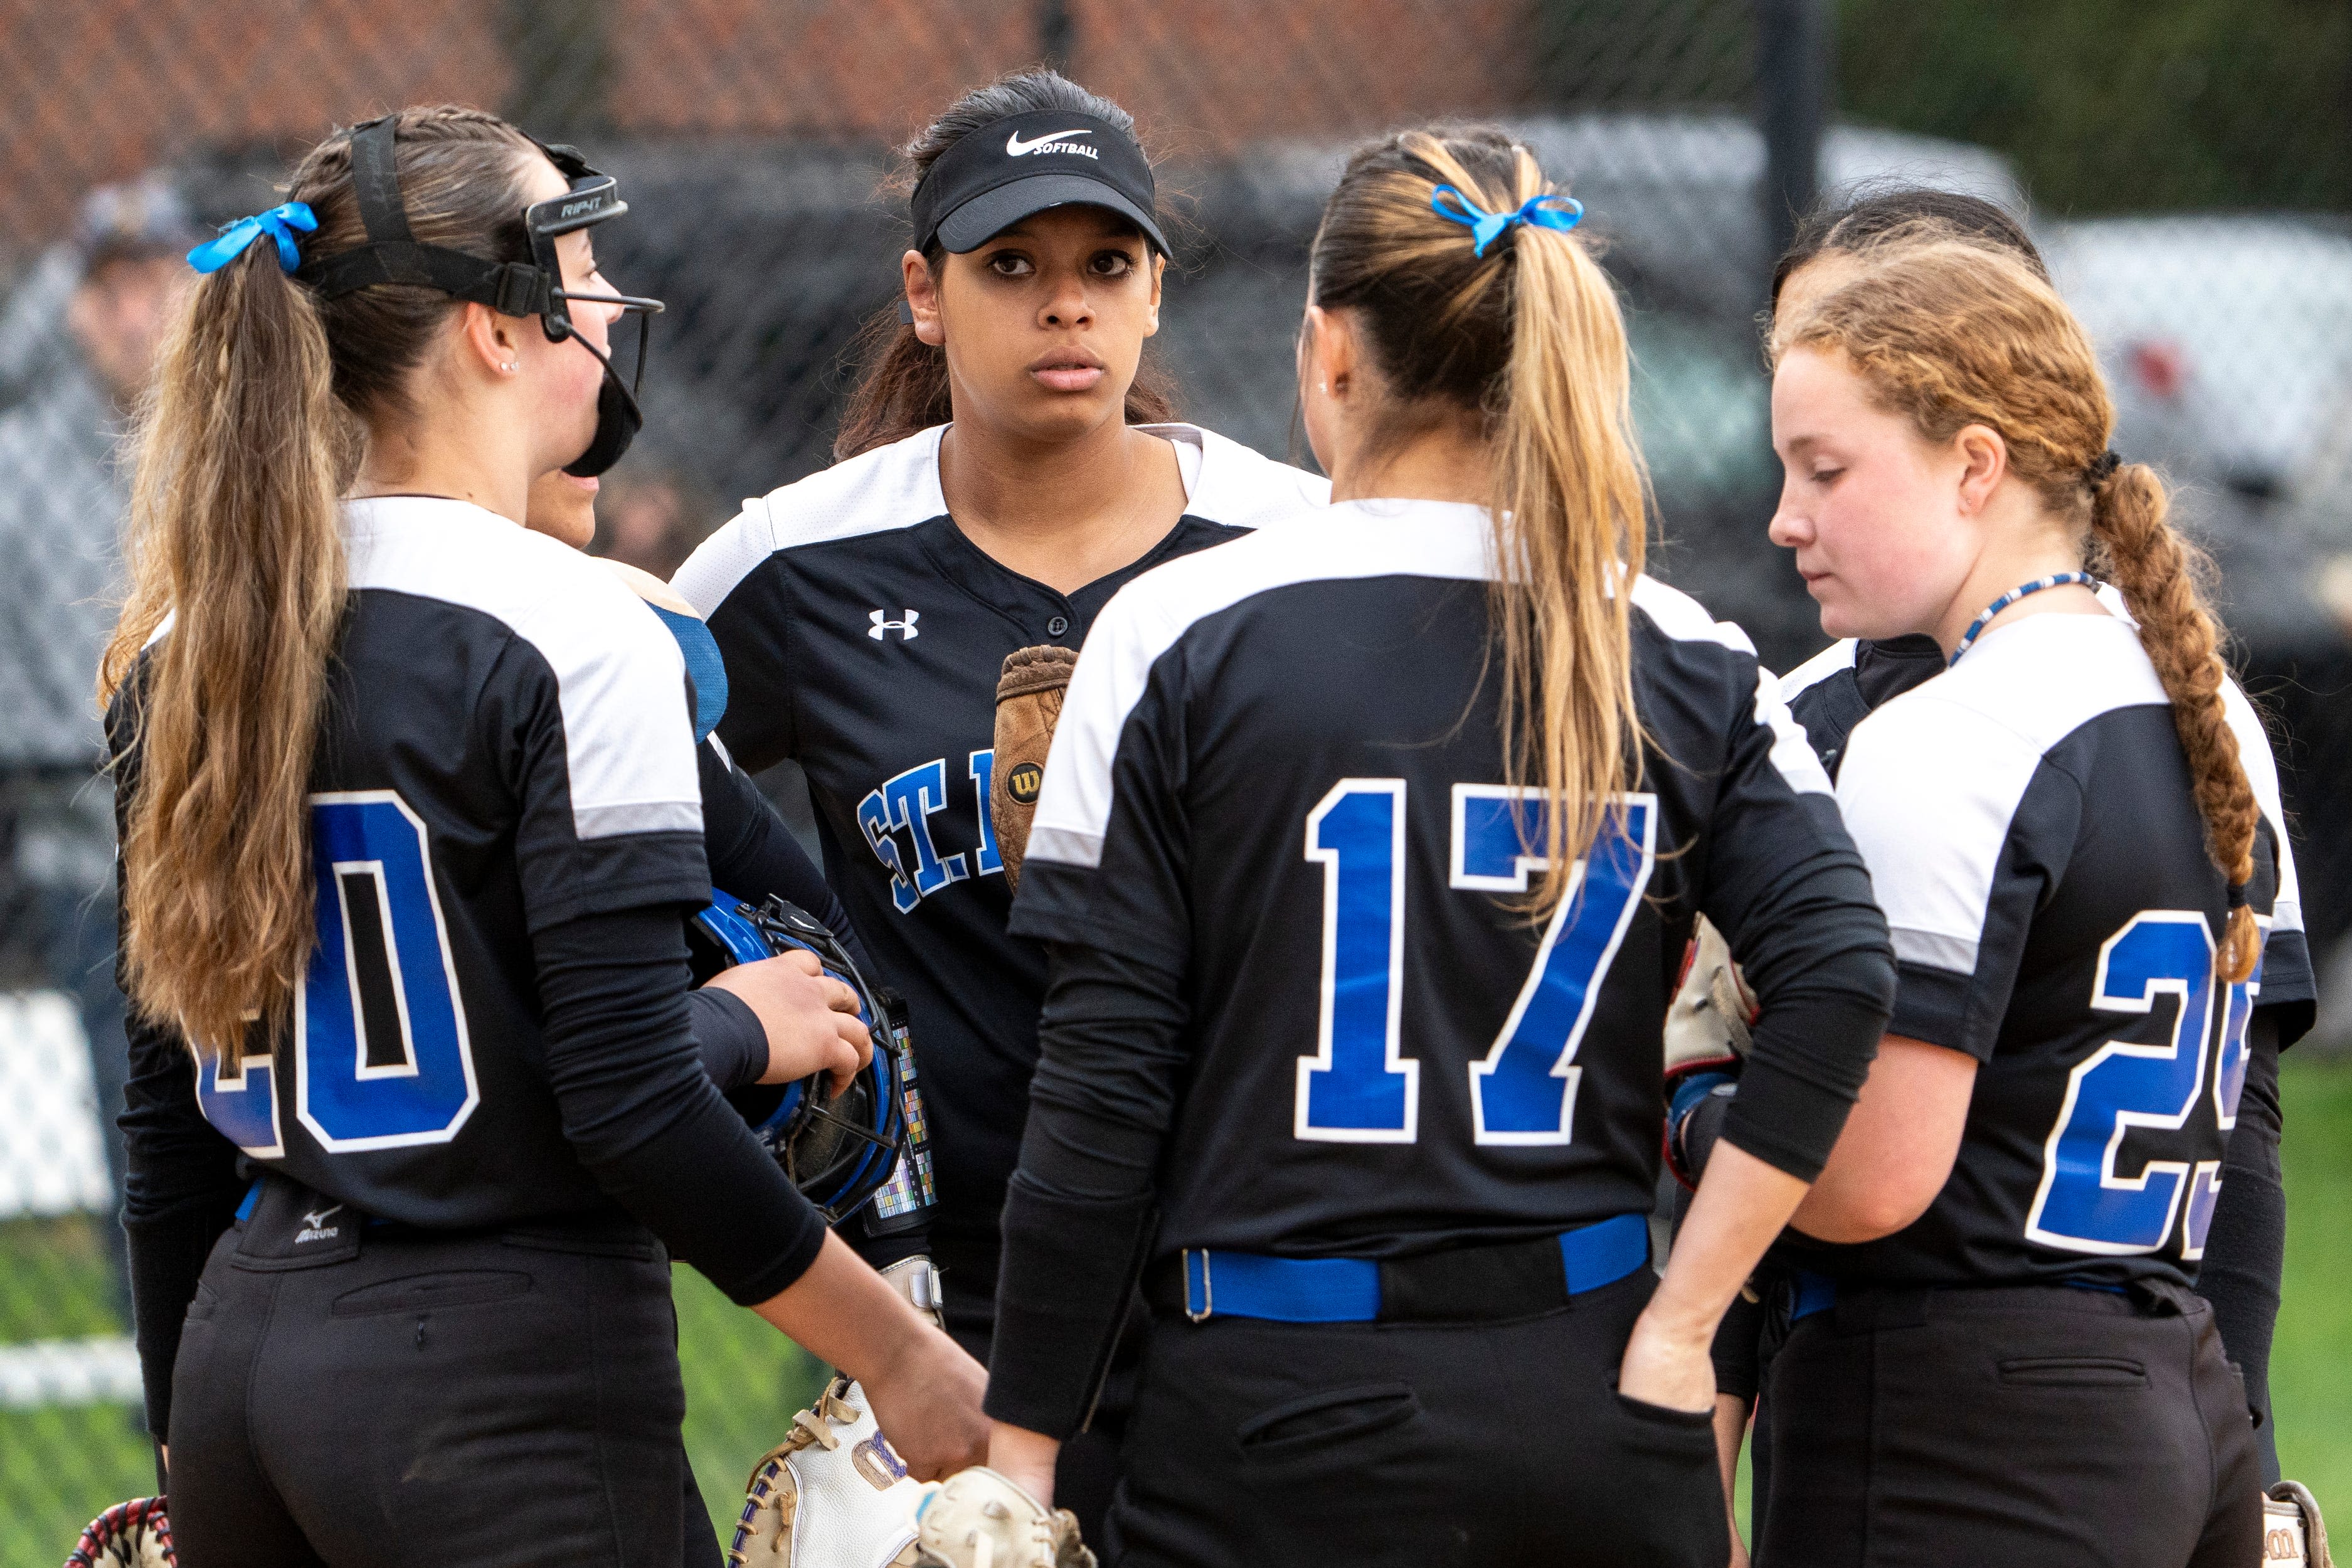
(831, 1495)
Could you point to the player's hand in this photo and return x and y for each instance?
(1668, 1365)
(926, 1402)
(810, 1017)
(1024, 1457)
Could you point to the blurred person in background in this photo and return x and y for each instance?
(651, 518)
(61, 509)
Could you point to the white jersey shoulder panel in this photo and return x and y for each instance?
(2261, 764)
(891, 487)
(1240, 486)
(1839, 655)
(628, 738)
(1685, 619)
(2254, 755)
(1932, 779)
(1144, 619)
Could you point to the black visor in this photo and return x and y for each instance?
(1024, 163)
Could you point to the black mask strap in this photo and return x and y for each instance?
(375, 180)
(392, 255)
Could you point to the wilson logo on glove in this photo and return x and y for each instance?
(1029, 691)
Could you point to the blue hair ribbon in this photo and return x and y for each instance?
(1552, 212)
(278, 222)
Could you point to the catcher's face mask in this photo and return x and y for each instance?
(534, 288)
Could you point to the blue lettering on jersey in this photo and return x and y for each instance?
(2229, 1085)
(905, 805)
(1360, 1087)
(2084, 1203)
(982, 768)
(240, 1098)
(1525, 1091)
(383, 1057)
(1357, 1087)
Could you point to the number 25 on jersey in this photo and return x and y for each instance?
(2085, 1202)
(1360, 1087)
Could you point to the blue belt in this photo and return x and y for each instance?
(1348, 1289)
(1815, 1293)
(1819, 1292)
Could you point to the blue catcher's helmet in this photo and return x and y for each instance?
(837, 1150)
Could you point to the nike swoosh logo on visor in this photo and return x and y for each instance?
(1016, 147)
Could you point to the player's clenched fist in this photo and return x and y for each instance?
(810, 1017)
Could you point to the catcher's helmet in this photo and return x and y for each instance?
(839, 1150)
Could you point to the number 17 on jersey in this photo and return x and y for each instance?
(1360, 1087)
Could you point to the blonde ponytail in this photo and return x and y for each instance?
(233, 533)
(1568, 514)
(251, 437)
(1526, 343)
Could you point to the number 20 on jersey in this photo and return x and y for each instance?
(381, 1054)
(1360, 1087)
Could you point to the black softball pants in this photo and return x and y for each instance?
(1479, 1443)
(2048, 1426)
(381, 1396)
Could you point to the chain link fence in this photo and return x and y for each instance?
(751, 137)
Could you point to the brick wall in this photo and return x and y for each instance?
(92, 91)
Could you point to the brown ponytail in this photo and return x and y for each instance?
(254, 432)
(902, 388)
(1950, 334)
(1526, 343)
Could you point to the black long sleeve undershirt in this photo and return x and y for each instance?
(646, 1119)
(753, 854)
(180, 1191)
(2245, 1249)
(1078, 1210)
(729, 1037)
(1815, 948)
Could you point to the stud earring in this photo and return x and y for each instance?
(508, 367)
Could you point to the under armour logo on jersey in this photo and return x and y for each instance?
(1052, 141)
(906, 628)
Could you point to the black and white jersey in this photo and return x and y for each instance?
(2033, 836)
(864, 634)
(1279, 774)
(507, 747)
(1841, 686)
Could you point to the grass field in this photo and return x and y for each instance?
(58, 1466)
